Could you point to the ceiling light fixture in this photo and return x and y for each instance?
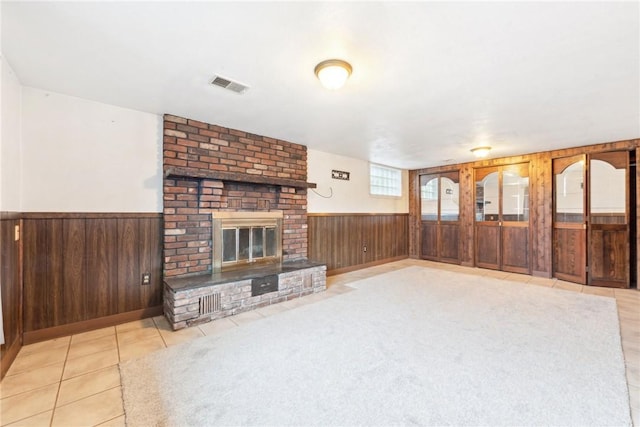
(333, 73)
(481, 151)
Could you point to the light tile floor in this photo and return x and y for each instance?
(75, 381)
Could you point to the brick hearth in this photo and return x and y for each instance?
(198, 299)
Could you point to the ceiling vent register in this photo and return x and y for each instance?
(229, 84)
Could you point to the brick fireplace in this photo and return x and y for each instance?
(209, 169)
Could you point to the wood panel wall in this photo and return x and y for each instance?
(415, 219)
(80, 268)
(339, 240)
(11, 286)
(541, 200)
(637, 229)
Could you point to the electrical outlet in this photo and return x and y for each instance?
(146, 278)
(16, 233)
(364, 248)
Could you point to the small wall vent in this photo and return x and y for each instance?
(229, 84)
(209, 304)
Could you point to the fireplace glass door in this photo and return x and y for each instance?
(248, 244)
(244, 239)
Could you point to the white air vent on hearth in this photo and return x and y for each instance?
(229, 84)
(209, 304)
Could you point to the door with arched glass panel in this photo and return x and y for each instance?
(609, 243)
(591, 230)
(502, 218)
(570, 219)
(440, 217)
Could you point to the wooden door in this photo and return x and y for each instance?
(449, 229)
(608, 229)
(487, 240)
(430, 215)
(502, 239)
(591, 232)
(440, 214)
(449, 242)
(429, 240)
(570, 219)
(515, 228)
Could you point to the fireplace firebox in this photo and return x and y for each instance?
(246, 239)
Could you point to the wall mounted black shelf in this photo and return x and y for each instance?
(188, 173)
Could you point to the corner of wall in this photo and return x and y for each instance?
(10, 205)
(10, 138)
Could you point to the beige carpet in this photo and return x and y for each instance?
(417, 346)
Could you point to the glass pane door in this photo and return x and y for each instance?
(487, 198)
(607, 193)
(515, 218)
(569, 193)
(515, 197)
(429, 197)
(502, 218)
(440, 214)
(449, 199)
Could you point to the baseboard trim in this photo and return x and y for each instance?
(544, 274)
(89, 325)
(365, 265)
(8, 356)
(467, 264)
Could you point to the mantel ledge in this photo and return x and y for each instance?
(189, 173)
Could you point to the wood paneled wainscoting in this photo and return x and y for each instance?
(11, 285)
(540, 257)
(85, 271)
(350, 241)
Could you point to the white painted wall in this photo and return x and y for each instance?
(348, 196)
(9, 139)
(85, 156)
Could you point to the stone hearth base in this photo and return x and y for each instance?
(199, 299)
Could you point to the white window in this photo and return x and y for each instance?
(385, 181)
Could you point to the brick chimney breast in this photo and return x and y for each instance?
(210, 168)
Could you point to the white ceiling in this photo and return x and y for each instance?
(430, 80)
